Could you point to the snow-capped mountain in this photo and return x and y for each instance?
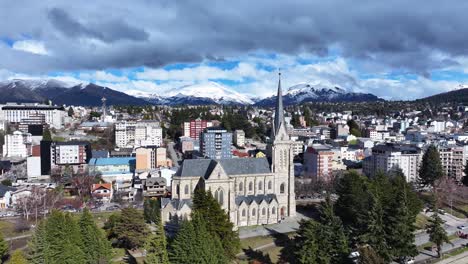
(200, 94)
(39, 90)
(304, 92)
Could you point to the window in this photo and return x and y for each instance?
(241, 186)
(282, 188)
(273, 210)
(260, 185)
(253, 212)
(186, 191)
(263, 211)
(250, 186)
(177, 189)
(243, 212)
(221, 197)
(269, 185)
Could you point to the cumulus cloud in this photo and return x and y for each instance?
(31, 46)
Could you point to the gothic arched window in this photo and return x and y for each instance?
(253, 212)
(260, 185)
(273, 210)
(282, 188)
(263, 211)
(241, 186)
(269, 185)
(243, 212)
(250, 186)
(186, 190)
(221, 197)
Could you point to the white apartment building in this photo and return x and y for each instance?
(239, 138)
(14, 113)
(391, 157)
(453, 159)
(138, 134)
(17, 144)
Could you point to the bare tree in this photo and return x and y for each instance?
(83, 183)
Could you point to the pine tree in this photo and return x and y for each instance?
(152, 210)
(352, 204)
(131, 229)
(17, 257)
(334, 240)
(194, 244)
(464, 179)
(37, 245)
(3, 247)
(70, 111)
(367, 255)
(46, 136)
(431, 167)
(217, 220)
(399, 221)
(156, 246)
(63, 240)
(436, 231)
(95, 245)
(307, 244)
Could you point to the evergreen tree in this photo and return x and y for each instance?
(464, 179)
(334, 240)
(63, 240)
(367, 255)
(3, 247)
(354, 128)
(352, 204)
(37, 245)
(46, 136)
(194, 244)
(70, 111)
(17, 257)
(131, 229)
(431, 167)
(217, 220)
(307, 244)
(399, 222)
(152, 210)
(156, 246)
(436, 231)
(110, 224)
(95, 246)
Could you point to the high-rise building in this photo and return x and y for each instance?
(195, 127)
(14, 113)
(138, 134)
(73, 154)
(453, 159)
(392, 157)
(318, 163)
(239, 138)
(215, 143)
(17, 144)
(150, 158)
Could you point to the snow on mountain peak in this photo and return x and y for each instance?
(211, 90)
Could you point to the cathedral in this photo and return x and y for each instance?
(254, 191)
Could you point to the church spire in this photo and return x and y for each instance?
(279, 111)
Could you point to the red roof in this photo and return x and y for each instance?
(107, 186)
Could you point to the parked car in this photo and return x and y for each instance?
(462, 227)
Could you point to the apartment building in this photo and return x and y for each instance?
(17, 144)
(14, 113)
(215, 143)
(138, 134)
(239, 138)
(392, 157)
(318, 161)
(195, 127)
(150, 158)
(71, 154)
(453, 159)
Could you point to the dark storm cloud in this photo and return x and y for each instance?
(108, 31)
(408, 35)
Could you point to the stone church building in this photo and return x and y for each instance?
(253, 191)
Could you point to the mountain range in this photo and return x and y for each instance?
(27, 90)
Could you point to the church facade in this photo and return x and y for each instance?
(253, 191)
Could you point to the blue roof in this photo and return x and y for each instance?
(112, 161)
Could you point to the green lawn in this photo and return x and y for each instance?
(269, 254)
(421, 221)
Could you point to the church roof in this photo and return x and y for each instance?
(256, 198)
(241, 166)
(176, 203)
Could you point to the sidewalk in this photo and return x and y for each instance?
(426, 254)
(458, 259)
